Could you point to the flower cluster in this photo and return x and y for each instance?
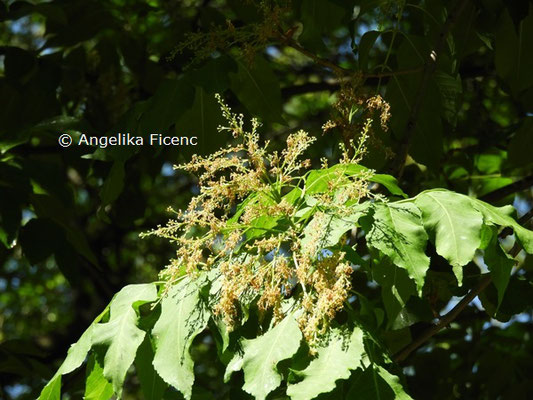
(250, 38)
(256, 224)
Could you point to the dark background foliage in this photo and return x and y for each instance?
(70, 217)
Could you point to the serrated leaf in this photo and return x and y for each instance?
(261, 355)
(182, 318)
(502, 216)
(120, 334)
(397, 231)
(334, 361)
(454, 224)
(97, 387)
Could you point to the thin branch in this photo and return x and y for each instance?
(319, 60)
(444, 321)
(514, 187)
(309, 87)
(448, 318)
(341, 70)
(387, 74)
(429, 68)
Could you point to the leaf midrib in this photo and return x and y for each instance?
(448, 216)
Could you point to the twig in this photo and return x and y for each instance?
(319, 60)
(514, 187)
(446, 319)
(341, 70)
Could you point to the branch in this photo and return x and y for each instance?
(319, 60)
(446, 319)
(514, 187)
(309, 87)
(341, 70)
(429, 68)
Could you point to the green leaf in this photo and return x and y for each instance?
(261, 226)
(183, 317)
(396, 290)
(341, 353)
(450, 89)
(454, 224)
(326, 230)
(513, 58)
(397, 231)
(152, 386)
(113, 184)
(120, 334)
(319, 17)
(52, 391)
(318, 180)
(502, 216)
(261, 355)
(375, 382)
(213, 76)
(521, 143)
(426, 143)
(365, 45)
(257, 88)
(394, 383)
(97, 387)
(75, 357)
(500, 266)
(390, 183)
(202, 120)
(172, 98)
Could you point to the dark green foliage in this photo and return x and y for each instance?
(70, 217)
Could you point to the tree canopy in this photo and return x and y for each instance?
(348, 215)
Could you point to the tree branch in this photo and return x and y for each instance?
(514, 187)
(341, 70)
(319, 60)
(446, 319)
